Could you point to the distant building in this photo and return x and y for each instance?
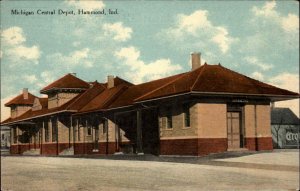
(285, 128)
(209, 109)
(5, 137)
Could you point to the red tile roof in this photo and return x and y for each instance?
(68, 81)
(106, 97)
(216, 79)
(206, 79)
(38, 113)
(212, 79)
(87, 96)
(133, 92)
(19, 100)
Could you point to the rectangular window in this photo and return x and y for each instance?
(169, 118)
(54, 130)
(187, 116)
(46, 128)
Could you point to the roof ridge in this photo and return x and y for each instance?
(47, 88)
(200, 73)
(178, 77)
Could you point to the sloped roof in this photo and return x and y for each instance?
(206, 79)
(19, 100)
(284, 116)
(106, 97)
(38, 113)
(215, 79)
(68, 81)
(87, 96)
(134, 92)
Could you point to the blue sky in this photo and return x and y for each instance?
(147, 40)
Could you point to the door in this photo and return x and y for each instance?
(234, 130)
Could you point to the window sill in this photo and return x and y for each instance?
(186, 128)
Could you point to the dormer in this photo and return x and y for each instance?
(20, 104)
(40, 103)
(64, 89)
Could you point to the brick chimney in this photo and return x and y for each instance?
(25, 93)
(196, 60)
(110, 81)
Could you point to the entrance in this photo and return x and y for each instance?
(150, 131)
(234, 130)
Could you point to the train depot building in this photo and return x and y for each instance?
(209, 109)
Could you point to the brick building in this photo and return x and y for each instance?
(209, 109)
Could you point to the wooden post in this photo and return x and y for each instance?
(139, 141)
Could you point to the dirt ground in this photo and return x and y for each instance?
(277, 170)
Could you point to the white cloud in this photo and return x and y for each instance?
(15, 49)
(87, 4)
(198, 25)
(118, 31)
(267, 10)
(30, 78)
(290, 82)
(23, 52)
(13, 36)
(257, 75)
(193, 22)
(287, 81)
(76, 44)
(256, 62)
(75, 58)
(139, 71)
(289, 23)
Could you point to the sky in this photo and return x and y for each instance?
(146, 41)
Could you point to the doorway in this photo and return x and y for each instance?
(234, 130)
(150, 131)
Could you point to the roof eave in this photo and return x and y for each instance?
(22, 120)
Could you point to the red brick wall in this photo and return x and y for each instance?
(263, 143)
(51, 148)
(196, 147)
(19, 149)
(211, 145)
(179, 147)
(87, 148)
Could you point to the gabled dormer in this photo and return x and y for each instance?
(21, 103)
(64, 89)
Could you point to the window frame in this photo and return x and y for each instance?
(186, 115)
(169, 118)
